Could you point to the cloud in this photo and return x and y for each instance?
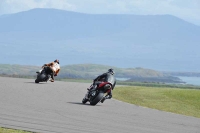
(188, 9)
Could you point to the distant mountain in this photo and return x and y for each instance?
(81, 71)
(159, 42)
(91, 71)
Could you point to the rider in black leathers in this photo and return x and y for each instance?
(105, 77)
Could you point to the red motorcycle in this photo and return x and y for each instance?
(96, 94)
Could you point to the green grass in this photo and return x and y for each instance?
(154, 84)
(180, 101)
(7, 130)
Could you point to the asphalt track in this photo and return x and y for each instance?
(57, 108)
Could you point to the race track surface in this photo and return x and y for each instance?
(57, 108)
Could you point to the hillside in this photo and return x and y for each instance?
(90, 71)
(159, 42)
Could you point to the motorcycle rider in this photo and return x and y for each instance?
(105, 77)
(52, 68)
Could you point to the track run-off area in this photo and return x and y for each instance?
(57, 108)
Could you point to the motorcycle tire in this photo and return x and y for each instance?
(36, 81)
(84, 100)
(97, 98)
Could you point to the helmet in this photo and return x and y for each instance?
(111, 71)
(57, 61)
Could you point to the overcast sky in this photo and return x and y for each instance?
(188, 10)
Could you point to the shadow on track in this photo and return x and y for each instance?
(79, 103)
(35, 83)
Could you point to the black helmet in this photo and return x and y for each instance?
(57, 61)
(111, 71)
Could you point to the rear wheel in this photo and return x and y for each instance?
(97, 98)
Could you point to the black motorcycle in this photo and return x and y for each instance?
(97, 94)
(43, 76)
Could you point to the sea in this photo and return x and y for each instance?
(188, 80)
(191, 80)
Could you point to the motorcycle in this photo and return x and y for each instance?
(96, 94)
(42, 76)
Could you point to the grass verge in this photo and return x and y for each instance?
(7, 130)
(180, 101)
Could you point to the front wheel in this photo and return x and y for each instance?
(84, 100)
(36, 81)
(97, 98)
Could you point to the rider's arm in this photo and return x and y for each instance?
(100, 77)
(96, 78)
(50, 64)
